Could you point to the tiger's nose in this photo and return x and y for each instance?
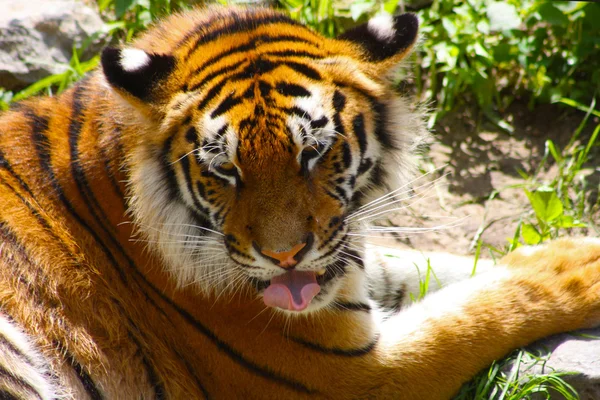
(287, 259)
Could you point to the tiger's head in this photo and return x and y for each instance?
(254, 141)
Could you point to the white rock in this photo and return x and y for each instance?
(570, 353)
(37, 38)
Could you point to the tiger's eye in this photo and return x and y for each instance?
(228, 169)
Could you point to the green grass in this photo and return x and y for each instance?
(496, 383)
(542, 53)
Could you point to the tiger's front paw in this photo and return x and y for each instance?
(568, 269)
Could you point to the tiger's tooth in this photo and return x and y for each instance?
(321, 271)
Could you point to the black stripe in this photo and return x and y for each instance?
(336, 197)
(251, 45)
(294, 53)
(262, 371)
(107, 163)
(339, 101)
(153, 379)
(362, 92)
(399, 296)
(356, 258)
(10, 346)
(191, 135)
(226, 105)
(319, 123)
(192, 371)
(304, 69)
(185, 166)
(297, 111)
(213, 75)
(238, 24)
(168, 171)
(381, 115)
(40, 300)
(79, 176)
(43, 153)
(364, 166)
(18, 381)
(212, 93)
(359, 352)
(342, 194)
(358, 126)
(293, 90)
(86, 380)
(384, 137)
(256, 68)
(222, 131)
(334, 248)
(41, 143)
(9, 237)
(378, 174)
(346, 155)
(5, 394)
(6, 165)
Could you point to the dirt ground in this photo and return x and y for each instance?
(473, 159)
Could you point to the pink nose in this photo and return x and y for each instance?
(286, 258)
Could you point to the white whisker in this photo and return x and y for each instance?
(407, 187)
(183, 156)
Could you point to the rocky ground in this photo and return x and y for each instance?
(474, 159)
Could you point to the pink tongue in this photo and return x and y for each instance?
(292, 291)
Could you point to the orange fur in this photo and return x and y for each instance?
(88, 295)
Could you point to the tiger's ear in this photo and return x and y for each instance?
(385, 38)
(135, 71)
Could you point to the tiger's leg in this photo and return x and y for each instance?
(435, 345)
(429, 349)
(397, 277)
(24, 374)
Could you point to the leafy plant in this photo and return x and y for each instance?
(491, 52)
(74, 71)
(565, 202)
(331, 17)
(504, 381)
(132, 16)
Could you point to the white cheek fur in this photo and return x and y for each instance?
(191, 255)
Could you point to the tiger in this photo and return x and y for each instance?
(184, 223)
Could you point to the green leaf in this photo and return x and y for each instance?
(40, 85)
(480, 50)
(358, 8)
(567, 221)
(555, 153)
(483, 27)
(447, 54)
(579, 106)
(502, 16)
(390, 6)
(122, 6)
(552, 15)
(530, 234)
(449, 26)
(545, 203)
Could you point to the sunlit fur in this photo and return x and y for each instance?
(243, 110)
(133, 205)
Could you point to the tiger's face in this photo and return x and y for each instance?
(259, 140)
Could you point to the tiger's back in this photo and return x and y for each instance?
(179, 224)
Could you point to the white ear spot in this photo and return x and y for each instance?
(382, 27)
(134, 59)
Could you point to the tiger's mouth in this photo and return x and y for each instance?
(295, 290)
